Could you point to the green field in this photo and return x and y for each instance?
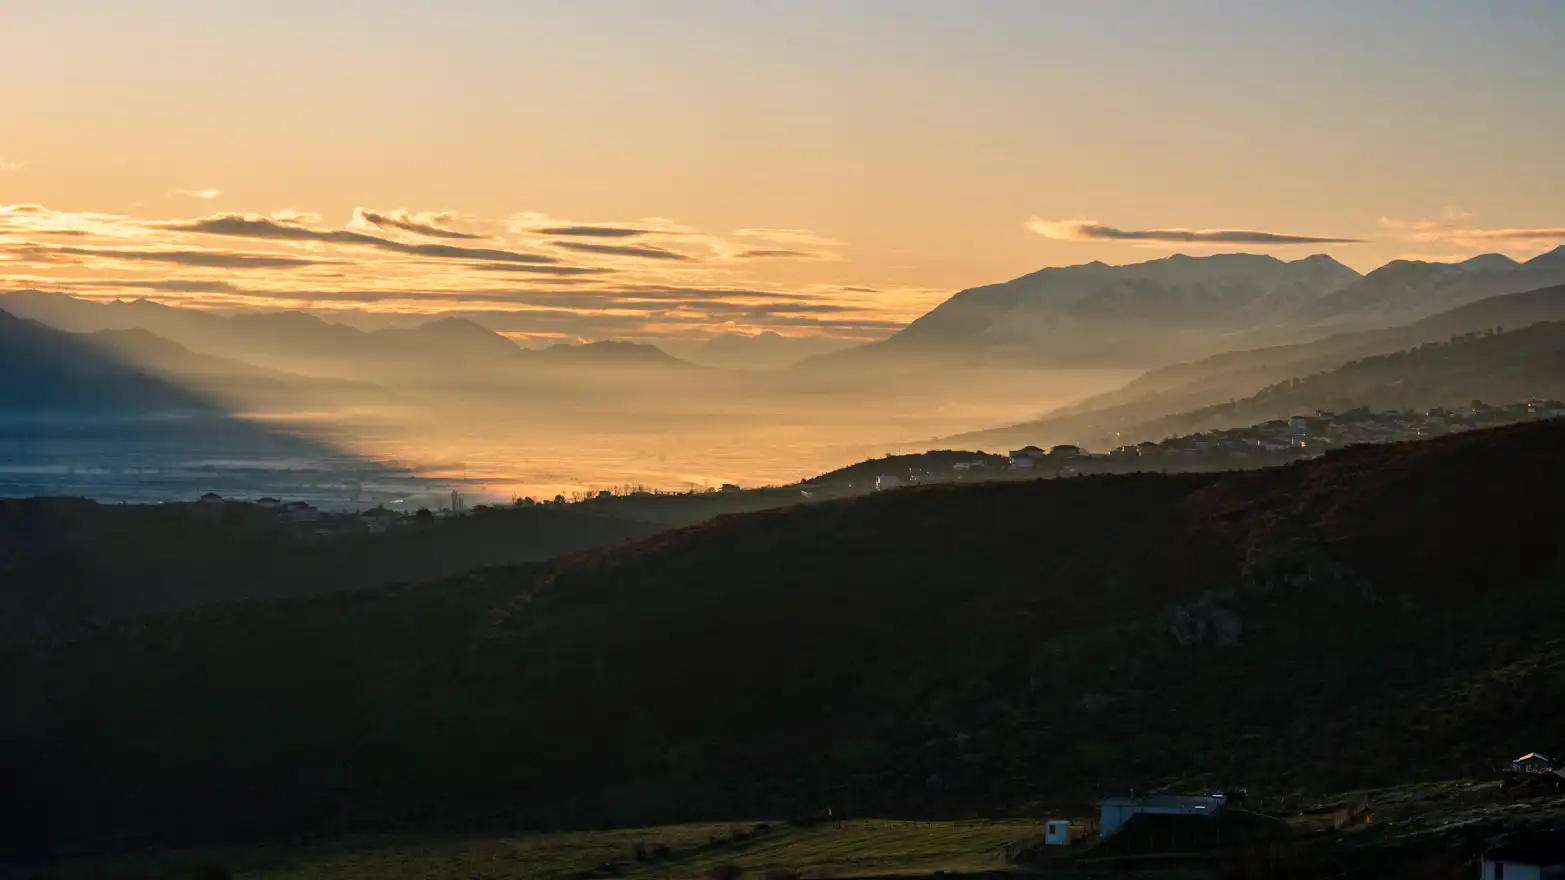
(859, 848)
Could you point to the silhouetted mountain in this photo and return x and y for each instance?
(1551, 260)
(941, 649)
(1406, 290)
(609, 353)
(762, 351)
(447, 338)
(1238, 374)
(291, 341)
(43, 370)
(1142, 313)
(1489, 262)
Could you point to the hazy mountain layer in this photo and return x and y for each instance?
(1236, 375)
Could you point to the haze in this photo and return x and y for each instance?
(747, 186)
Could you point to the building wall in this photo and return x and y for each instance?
(1513, 871)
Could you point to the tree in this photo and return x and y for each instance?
(424, 516)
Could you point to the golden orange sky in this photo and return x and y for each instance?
(617, 169)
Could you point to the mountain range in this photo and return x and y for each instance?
(1171, 309)
(1234, 375)
(299, 342)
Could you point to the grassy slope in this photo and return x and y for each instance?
(857, 848)
(944, 649)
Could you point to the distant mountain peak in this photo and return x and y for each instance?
(1555, 257)
(1489, 262)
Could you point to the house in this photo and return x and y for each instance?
(1116, 811)
(1027, 452)
(1067, 450)
(1057, 832)
(1532, 762)
(731, 487)
(211, 498)
(1023, 463)
(886, 482)
(1529, 856)
(268, 503)
(302, 512)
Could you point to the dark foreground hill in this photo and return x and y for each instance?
(1382, 614)
(69, 565)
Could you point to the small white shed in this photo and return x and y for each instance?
(1057, 832)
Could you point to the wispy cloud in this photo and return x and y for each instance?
(1452, 230)
(647, 252)
(605, 278)
(803, 237)
(432, 225)
(779, 254)
(590, 231)
(262, 227)
(195, 258)
(206, 194)
(542, 270)
(1091, 230)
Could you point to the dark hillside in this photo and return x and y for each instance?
(1379, 615)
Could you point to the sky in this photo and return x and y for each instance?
(589, 169)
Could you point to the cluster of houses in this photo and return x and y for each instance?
(1296, 437)
(270, 513)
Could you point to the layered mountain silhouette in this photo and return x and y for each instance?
(300, 342)
(1181, 307)
(765, 350)
(1234, 375)
(43, 370)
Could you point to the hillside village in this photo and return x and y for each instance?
(1267, 444)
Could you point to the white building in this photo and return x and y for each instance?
(1538, 856)
(887, 482)
(1116, 811)
(1057, 832)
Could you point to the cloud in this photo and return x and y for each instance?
(261, 227)
(647, 252)
(182, 286)
(805, 237)
(1451, 231)
(542, 270)
(196, 258)
(1092, 230)
(779, 254)
(590, 231)
(7, 165)
(430, 225)
(205, 194)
